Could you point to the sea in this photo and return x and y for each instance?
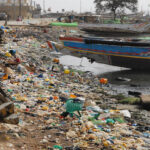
(121, 80)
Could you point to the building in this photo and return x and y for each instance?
(36, 12)
(12, 2)
(15, 8)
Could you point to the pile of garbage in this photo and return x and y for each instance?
(59, 107)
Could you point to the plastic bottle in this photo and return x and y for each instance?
(67, 71)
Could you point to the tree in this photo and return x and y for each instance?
(115, 5)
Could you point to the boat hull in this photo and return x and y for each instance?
(124, 54)
(128, 62)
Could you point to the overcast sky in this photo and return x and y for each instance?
(86, 5)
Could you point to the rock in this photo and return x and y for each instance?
(12, 119)
(6, 109)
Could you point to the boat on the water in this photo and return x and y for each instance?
(129, 53)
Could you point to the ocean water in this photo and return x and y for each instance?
(139, 80)
(83, 64)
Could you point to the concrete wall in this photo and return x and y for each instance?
(13, 11)
(16, 2)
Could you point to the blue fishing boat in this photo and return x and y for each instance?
(133, 53)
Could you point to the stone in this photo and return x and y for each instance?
(12, 119)
(6, 109)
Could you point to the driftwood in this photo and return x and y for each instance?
(7, 109)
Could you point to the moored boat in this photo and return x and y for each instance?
(133, 53)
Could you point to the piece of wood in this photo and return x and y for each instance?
(145, 98)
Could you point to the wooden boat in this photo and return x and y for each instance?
(133, 53)
(116, 29)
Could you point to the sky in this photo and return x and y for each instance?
(86, 5)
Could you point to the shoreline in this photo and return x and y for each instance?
(39, 87)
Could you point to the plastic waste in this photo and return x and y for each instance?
(56, 60)
(67, 71)
(120, 120)
(21, 68)
(72, 96)
(45, 108)
(94, 108)
(110, 121)
(89, 103)
(126, 113)
(147, 135)
(51, 94)
(5, 77)
(12, 52)
(103, 81)
(9, 90)
(58, 147)
(18, 60)
(8, 54)
(72, 106)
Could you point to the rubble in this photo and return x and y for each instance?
(58, 107)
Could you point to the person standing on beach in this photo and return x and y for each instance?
(6, 19)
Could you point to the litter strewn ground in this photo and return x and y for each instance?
(60, 107)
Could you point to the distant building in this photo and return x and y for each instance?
(36, 12)
(52, 15)
(16, 2)
(15, 8)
